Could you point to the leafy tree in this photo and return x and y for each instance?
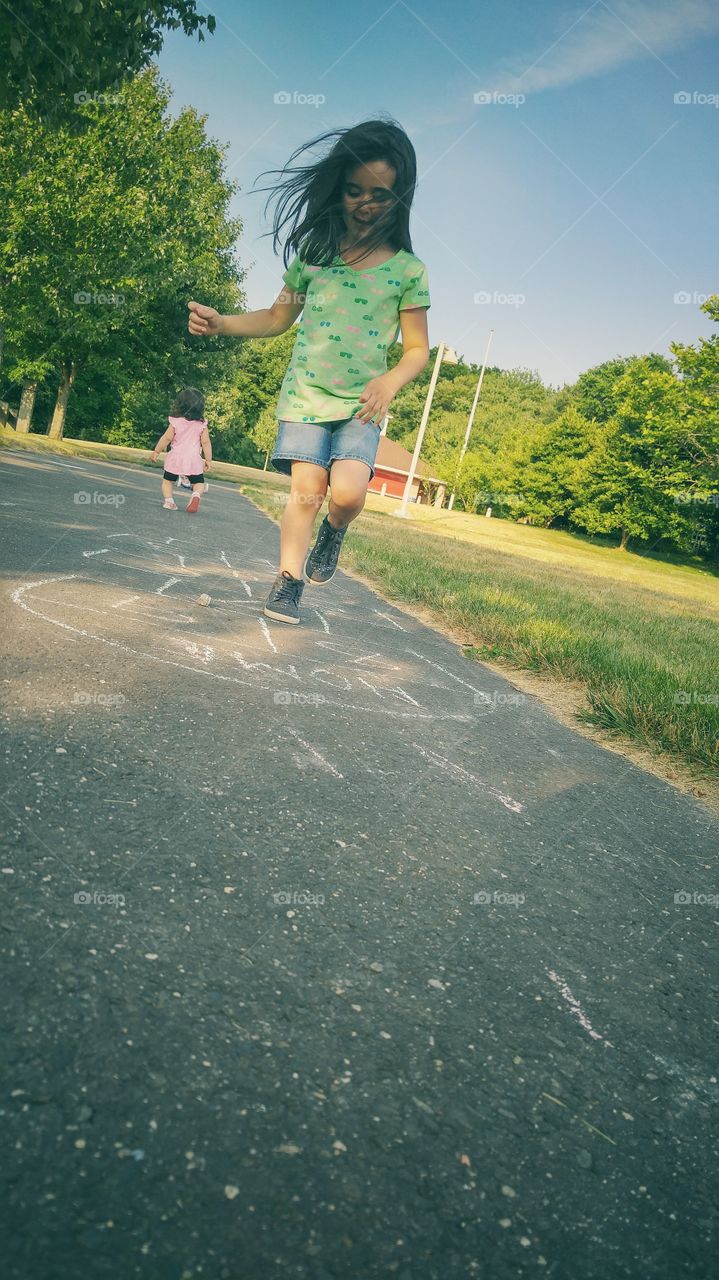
(549, 474)
(699, 370)
(595, 393)
(60, 53)
(264, 432)
(109, 234)
(641, 462)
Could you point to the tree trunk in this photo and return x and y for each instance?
(267, 458)
(623, 544)
(27, 404)
(57, 424)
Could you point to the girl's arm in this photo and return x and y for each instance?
(415, 347)
(380, 392)
(206, 447)
(164, 440)
(287, 306)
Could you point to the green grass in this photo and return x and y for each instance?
(636, 633)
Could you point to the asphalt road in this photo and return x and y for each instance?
(326, 953)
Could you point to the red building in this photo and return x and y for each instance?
(391, 470)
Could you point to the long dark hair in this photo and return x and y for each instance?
(316, 233)
(189, 403)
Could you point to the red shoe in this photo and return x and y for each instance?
(193, 505)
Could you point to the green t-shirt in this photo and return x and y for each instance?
(350, 318)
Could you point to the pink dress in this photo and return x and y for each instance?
(184, 458)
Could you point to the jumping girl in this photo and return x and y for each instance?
(357, 282)
(190, 445)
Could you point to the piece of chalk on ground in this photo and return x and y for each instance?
(203, 599)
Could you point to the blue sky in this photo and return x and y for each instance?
(568, 222)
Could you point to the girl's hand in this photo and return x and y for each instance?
(206, 465)
(378, 394)
(153, 455)
(204, 321)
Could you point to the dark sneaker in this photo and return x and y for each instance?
(283, 602)
(321, 563)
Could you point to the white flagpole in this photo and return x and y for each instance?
(443, 352)
(450, 504)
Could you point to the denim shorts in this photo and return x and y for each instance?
(325, 442)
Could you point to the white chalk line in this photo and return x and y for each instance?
(102, 552)
(325, 624)
(204, 652)
(456, 771)
(389, 619)
(367, 685)
(576, 1008)
(17, 597)
(148, 616)
(120, 604)
(266, 633)
(139, 568)
(325, 764)
(335, 647)
(490, 706)
(170, 583)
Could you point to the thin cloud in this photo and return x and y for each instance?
(609, 35)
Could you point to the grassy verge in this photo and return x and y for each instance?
(648, 657)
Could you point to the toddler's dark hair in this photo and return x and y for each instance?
(316, 235)
(189, 403)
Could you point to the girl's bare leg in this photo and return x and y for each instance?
(348, 491)
(307, 493)
(167, 488)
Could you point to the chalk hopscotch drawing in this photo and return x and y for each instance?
(233, 643)
(238, 651)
